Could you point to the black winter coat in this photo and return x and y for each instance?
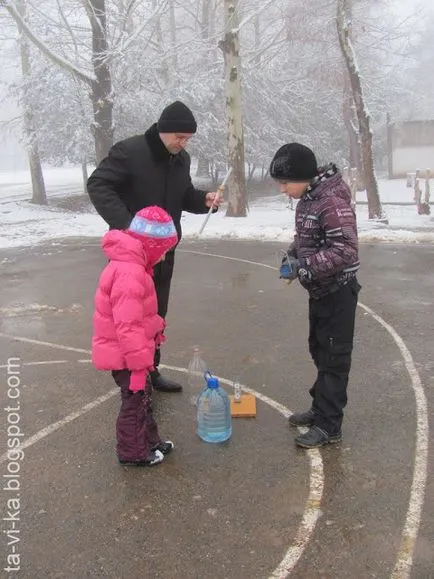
(139, 172)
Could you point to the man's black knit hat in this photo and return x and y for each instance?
(177, 118)
(294, 162)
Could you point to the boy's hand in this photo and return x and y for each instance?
(289, 267)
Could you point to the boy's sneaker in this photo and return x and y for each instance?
(153, 459)
(302, 418)
(165, 447)
(316, 437)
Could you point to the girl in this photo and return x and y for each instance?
(128, 329)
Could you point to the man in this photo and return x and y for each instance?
(324, 257)
(152, 169)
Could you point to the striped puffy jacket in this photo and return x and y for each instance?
(325, 241)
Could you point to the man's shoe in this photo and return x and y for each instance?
(316, 437)
(163, 384)
(302, 418)
(153, 459)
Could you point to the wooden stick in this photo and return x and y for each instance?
(220, 191)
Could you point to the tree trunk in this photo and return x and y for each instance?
(100, 83)
(205, 21)
(202, 167)
(213, 18)
(214, 174)
(163, 68)
(343, 26)
(85, 174)
(252, 169)
(237, 190)
(206, 31)
(39, 195)
(257, 29)
(101, 87)
(389, 146)
(173, 35)
(351, 123)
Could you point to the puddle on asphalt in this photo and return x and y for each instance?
(23, 325)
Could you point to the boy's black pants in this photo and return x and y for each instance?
(331, 333)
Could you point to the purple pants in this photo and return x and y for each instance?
(136, 429)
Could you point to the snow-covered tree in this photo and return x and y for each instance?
(343, 26)
(90, 41)
(230, 46)
(112, 66)
(39, 195)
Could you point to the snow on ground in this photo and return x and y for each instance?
(269, 218)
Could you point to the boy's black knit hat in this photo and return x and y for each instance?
(294, 162)
(177, 118)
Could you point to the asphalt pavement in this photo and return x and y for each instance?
(256, 507)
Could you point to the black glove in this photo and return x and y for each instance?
(289, 267)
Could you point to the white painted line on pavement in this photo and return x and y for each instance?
(312, 510)
(405, 555)
(39, 343)
(228, 258)
(410, 532)
(414, 513)
(42, 363)
(63, 421)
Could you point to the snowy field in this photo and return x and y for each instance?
(269, 218)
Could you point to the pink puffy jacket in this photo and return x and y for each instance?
(126, 324)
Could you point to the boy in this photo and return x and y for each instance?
(324, 257)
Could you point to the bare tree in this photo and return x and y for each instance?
(173, 35)
(237, 189)
(351, 122)
(344, 26)
(99, 83)
(39, 194)
(102, 99)
(163, 69)
(102, 54)
(203, 163)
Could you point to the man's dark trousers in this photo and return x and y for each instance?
(163, 272)
(331, 333)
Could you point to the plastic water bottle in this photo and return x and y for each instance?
(214, 423)
(196, 375)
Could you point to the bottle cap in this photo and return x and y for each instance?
(213, 382)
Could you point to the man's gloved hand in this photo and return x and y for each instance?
(289, 267)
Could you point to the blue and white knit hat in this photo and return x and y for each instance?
(155, 228)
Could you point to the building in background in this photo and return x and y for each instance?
(410, 147)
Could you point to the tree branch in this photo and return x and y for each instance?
(68, 27)
(252, 15)
(124, 45)
(46, 50)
